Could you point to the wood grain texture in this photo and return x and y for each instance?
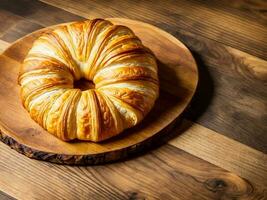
(27, 137)
(222, 151)
(229, 77)
(165, 173)
(37, 12)
(199, 146)
(244, 32)
(238, 112)
(14, 26)
(257, 8)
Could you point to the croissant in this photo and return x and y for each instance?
(123, 70)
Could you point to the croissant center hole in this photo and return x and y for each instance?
(84, 84)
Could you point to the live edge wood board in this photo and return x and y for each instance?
(178, 80)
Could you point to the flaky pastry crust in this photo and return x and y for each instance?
(112, 56)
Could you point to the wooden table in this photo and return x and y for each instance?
(221, 151)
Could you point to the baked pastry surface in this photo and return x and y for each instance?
(112, 57)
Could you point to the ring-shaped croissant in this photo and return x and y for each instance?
(112, 57)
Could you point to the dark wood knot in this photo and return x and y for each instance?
(215, 184)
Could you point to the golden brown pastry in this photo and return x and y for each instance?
(123, 70)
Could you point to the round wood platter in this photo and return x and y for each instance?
(178, 81)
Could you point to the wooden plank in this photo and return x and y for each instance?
(253, 8)
(222, 151)
(225, 59)
(165, 173)
(7, 21)
(20, 29)
(14, 27)
(37, 12)
(230, 79)
(232, 27)
(251, 67)
(16, 20)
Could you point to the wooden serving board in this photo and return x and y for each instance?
(178, 80)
